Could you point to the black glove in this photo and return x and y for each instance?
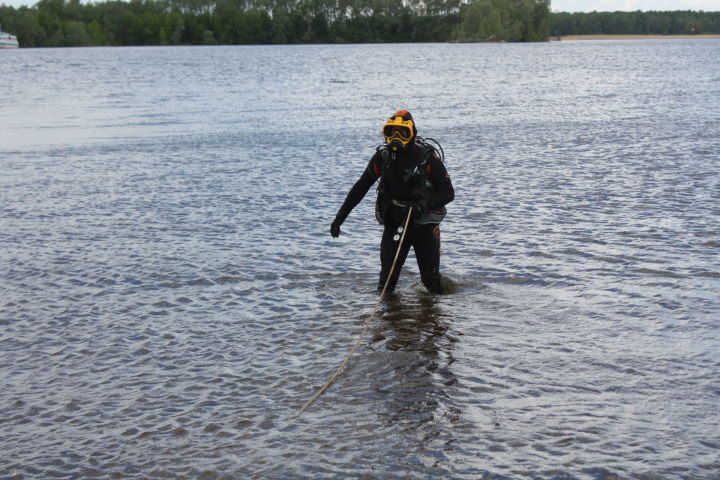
(335, 228)
(419, 207)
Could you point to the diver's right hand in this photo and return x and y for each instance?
(419, 207)
(335, 228)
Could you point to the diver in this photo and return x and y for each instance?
(411, 175)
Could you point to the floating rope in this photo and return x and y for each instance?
(344, 363)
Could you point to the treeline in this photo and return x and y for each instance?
(198, 22)
(52, 23)
(635, 23)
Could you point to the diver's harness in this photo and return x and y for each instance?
(422, 183)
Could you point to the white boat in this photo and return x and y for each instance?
(8, 40)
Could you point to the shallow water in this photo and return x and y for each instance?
(171, 296)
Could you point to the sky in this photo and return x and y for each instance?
(571, 5)
(632, 5)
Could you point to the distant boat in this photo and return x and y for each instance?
(8, 40)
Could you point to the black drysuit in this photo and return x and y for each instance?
(403, 179)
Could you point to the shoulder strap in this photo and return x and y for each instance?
(379, 170)
(385, 156)
(432, 147)
(427, 151)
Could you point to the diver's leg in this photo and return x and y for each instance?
(388, 250)
(427, 251)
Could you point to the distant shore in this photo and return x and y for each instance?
(630, 37)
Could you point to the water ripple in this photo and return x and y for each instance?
(171, 296)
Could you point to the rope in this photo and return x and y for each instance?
(344, 363)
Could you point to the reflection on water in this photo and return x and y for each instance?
(418, 356)
(413, 347)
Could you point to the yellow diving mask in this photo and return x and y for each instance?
(398, 129)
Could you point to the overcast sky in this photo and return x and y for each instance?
(571, 5)
(630, 5)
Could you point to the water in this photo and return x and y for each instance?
(170, 293)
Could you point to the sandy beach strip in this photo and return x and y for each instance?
(632, 37)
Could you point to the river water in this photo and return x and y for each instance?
(170, 294)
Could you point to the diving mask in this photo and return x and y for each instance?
(398, 132)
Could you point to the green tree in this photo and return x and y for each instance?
(176, 37)
(504, 20)
(29, 31)
(159, 22)
(76, 35)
